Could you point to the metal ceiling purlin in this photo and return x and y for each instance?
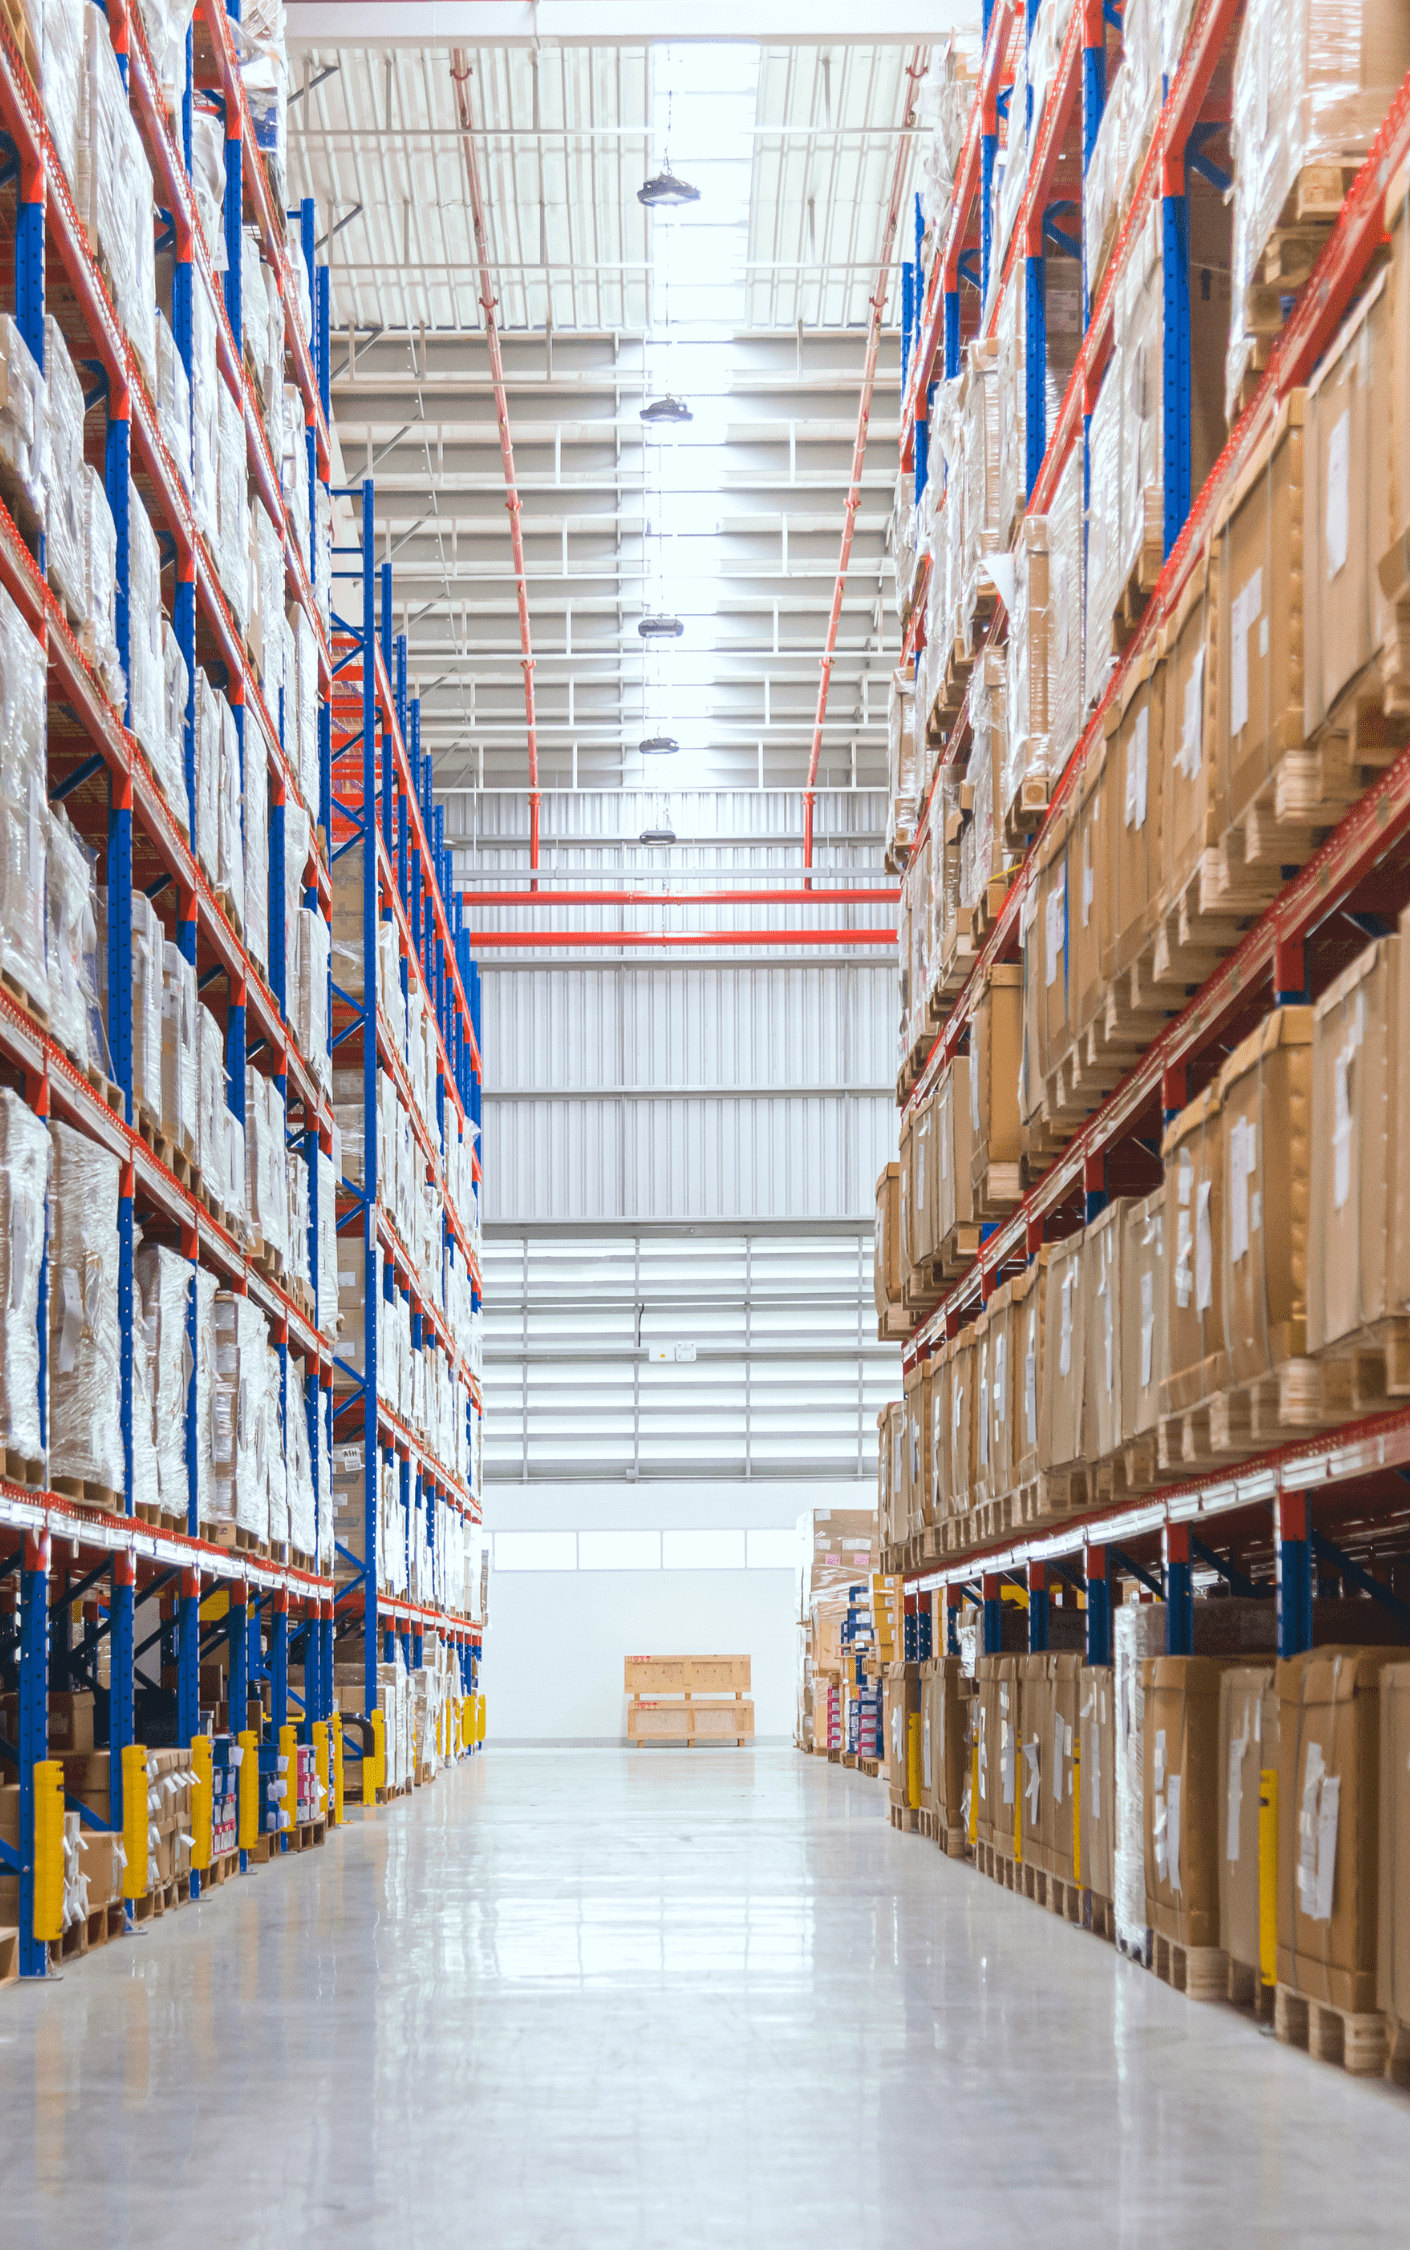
(915, 70)
(460, 72)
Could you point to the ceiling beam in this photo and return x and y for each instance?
(615, 23)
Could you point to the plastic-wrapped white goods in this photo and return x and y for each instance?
(269, 560)
(61, 76)
(167, 23)
(146, 1479)
(239, 1422)
(266, 1164)
(230, 857)
(310, 989)
(173, 400)
(1141, 71)
(24, 811)
(272, 1452)
(24, 1186)
(85, 1425)
(901, 781)
(64, 559)
(75, 1011)
(304, 757)
(208, 179)
(1103, 531)
(102, 111)
(233, 528)
(98, 633)
(22, 422)
(1140, 328)
(1138, 1631)
(137, 289)
(232, 1192)
(303, 1533)
(165, 1279)
(206, 387)
(148, 998)
(146, 682)
(1065, 544)
(1027, 760)
(296, 1216)
(176, 688)
(256, 804)
(210, 1085)
(208, 775)
(205, 1286)
(1101, 189)
(323, 554)
(181, 1013)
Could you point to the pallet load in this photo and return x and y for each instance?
(688, 1700)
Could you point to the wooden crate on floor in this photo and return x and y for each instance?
(688, 1699)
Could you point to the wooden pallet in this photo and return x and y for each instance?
(1243, 1418)
(1026, 814)
(1246, 1989)
(869, 1766)
(1357, 2041)
(997, 1191)
(25, 1000)
(1099, 1916)
(91, 1494)
(221, 1869)
(1201, 1972)
(905, 1817)
(22, 1468)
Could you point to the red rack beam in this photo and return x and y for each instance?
(480, 939)
(875, 897)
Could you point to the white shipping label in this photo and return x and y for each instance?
(1007, 1777)
(1138, 770)
(1147, 1327)
(1204, 1250)
(1337, 518)
(1031, 1778)
(1234, 1789)
(1245, 607)
(1238, 1190)
(974, 1086)
(1094, 1772)
(983, 1757)
(1109, 1341)
(1030, 1382)
(1057, 1758)
(1001, 1354)
(1056, 924)
(1158, 1836)
(1341, 1125)
(1067, 1289)
(1307, 1829)
(984, 1408)
(1089, 884)
(1158, 1769)
(1191, 755)
(1327, 1809)
(1172, 1830)
(1185, 1179)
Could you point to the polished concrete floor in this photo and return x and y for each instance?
(636, 1999)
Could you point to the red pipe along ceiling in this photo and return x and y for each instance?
(460, 72)
(915, 70)
(873, 897)
(480, 940)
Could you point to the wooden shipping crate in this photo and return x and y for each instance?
(686, 1675)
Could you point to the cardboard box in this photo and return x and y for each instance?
(919, 1496)
(903, 1754)
(958, 1396)
(985, 1333)
(1248, 1746)
(1097, 1793)
(886, 1268)
(1062, 1761)
(1090, 907)
(1035, 1741)
(1195, 652)
(1348, 527)
(1136, 757)
(995, 1054)
(954, 1149)
(1194, 1235)
(1181, 1797)
(1393, 1887)
(1103, 1329)
(925, 1180)
(1000, 1716)
(1145, 1312)
(1351, 1236)
(1265, 1126)
(1062, 1435)
(997, 1461)
(1329, 1774)
(1260, 531)
(1027, 1360)
(946, 1697)
(1049, 992)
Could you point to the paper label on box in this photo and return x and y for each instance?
(1337, 519)
(1057, 1757)
(1172, 1830)
(1067, 1287)
(1233, 1793)
(1031, 1778)
(1088, 878)
(1030, 1382)
(1244, 609)
(1137, 770)
(1191, 753)
(1158, 1769)
(1341, 1126)
(1240, 1164)
(1056, 923)
(1204, 1250)
(1094, 1772)
(1147, 1326)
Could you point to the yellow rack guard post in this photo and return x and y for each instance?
(479, 1719)
(247, 1798)
(378, 1776)
(913, 1769)
(1268, 1875)
(320, 1764)
(134, 1820)
(1077, 1808)
(202, 1801)
(335, 1731)
(49, 1849)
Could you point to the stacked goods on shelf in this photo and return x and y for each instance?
(836, 1548)
(688, 1700)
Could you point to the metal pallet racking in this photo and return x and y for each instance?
(96, 768)
(1357, 1471)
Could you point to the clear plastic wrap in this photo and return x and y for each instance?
(265, 1161)
(264, 71)
(1065, 651)
(180, 1066)
(1103, 531)
(238, 1418)
(1141, 72)
(103, 114)
(61, 80)
(1026, 769)
(137, 286)
(167, 23)
(1138, 1631)
(903, 549)
(85, 1426)
(1101, 188)
(176, 688)
(210, 1094)
(25, 1158)
(900, 768)
(24, 811)
(147, 682)
(1141, 328)
(75, 1010)
(146, 1479)
(173, 400)
(312, 964)
(208, 180)
(302, 1499)
(148, 996)
(208, 775)
(98, 633)
(233, 526)
(305, 755)
(256, 807)
(230, 857)
(205, 1285)
(23, 416)
(296, 1209)
(269, 557)
(327, 1248)
(165, 1279)
(981, 442)
(206, 387)
(64, 559)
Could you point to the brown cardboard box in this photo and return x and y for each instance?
(1035, 1749)
(999, 1721)
(1261, 621)
(1194, 1235)
(885, 1513)
(1061, 1432)
(945, 1718)
(1027, 1360)
(1145, 1310)
(995, 1056)
(1248, 1745)
(893, 1493)
(919, 1499)
(1063, 1750)
(1265, 1127)
(1090, 907)
(887, 1242)
(985, 1332)
(1103, 1329)
(1348, 526)
(1329, 1770)
(924, 1182)
(1136, 727)
(902, 1704)
(1393, 1887)
(1190, 762)
(1393, 567)
(954, 1147)
(1048, 953)
(999, 1468)
(959, 1430)
(1181, 1782)
(1097, 1807)
(1350, 1225)
(70, 1722)
(906, 1176)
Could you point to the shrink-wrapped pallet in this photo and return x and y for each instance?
(296, 1221)
(1312, 83)
(255, 804)
(75, 1011)
(1062, 1433)
(148, 956)
(24, 810)
(1065, 565)
(230, 826)
(984, 776)
(305, 757)
(1265, 1125)
(208, 775)
(64, 559)
(97, 635)
(85, 1427)
(102, 114)
(23, 434)
(211, 1100)
(204, 1286)
(900, 768)
(232, 528)
(180, 1106)
(980, 422)
(1047, 955)
(240, 1493)
(173, 400)
(61, 79)
(1027, 769)
(1030, 1364)
(147, 671)
(1191, 755)
(266, 1161)
(206, 388)
(996, 1038)
(146, 1483)
(25, 1161)
(1141, 72)
(1352, 1278)
(1138, 1633)
(1103, 182)
(1140, 327)
(1194, 1262)
(1145, 1311)
(176, 693)
(166, 1282)
(1103, 574)
(327, 1248)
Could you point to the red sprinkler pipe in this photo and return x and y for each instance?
(460, 72)
(873, 897)
(481, 939)
(915, 70)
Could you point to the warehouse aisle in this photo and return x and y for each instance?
(637, 1999)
